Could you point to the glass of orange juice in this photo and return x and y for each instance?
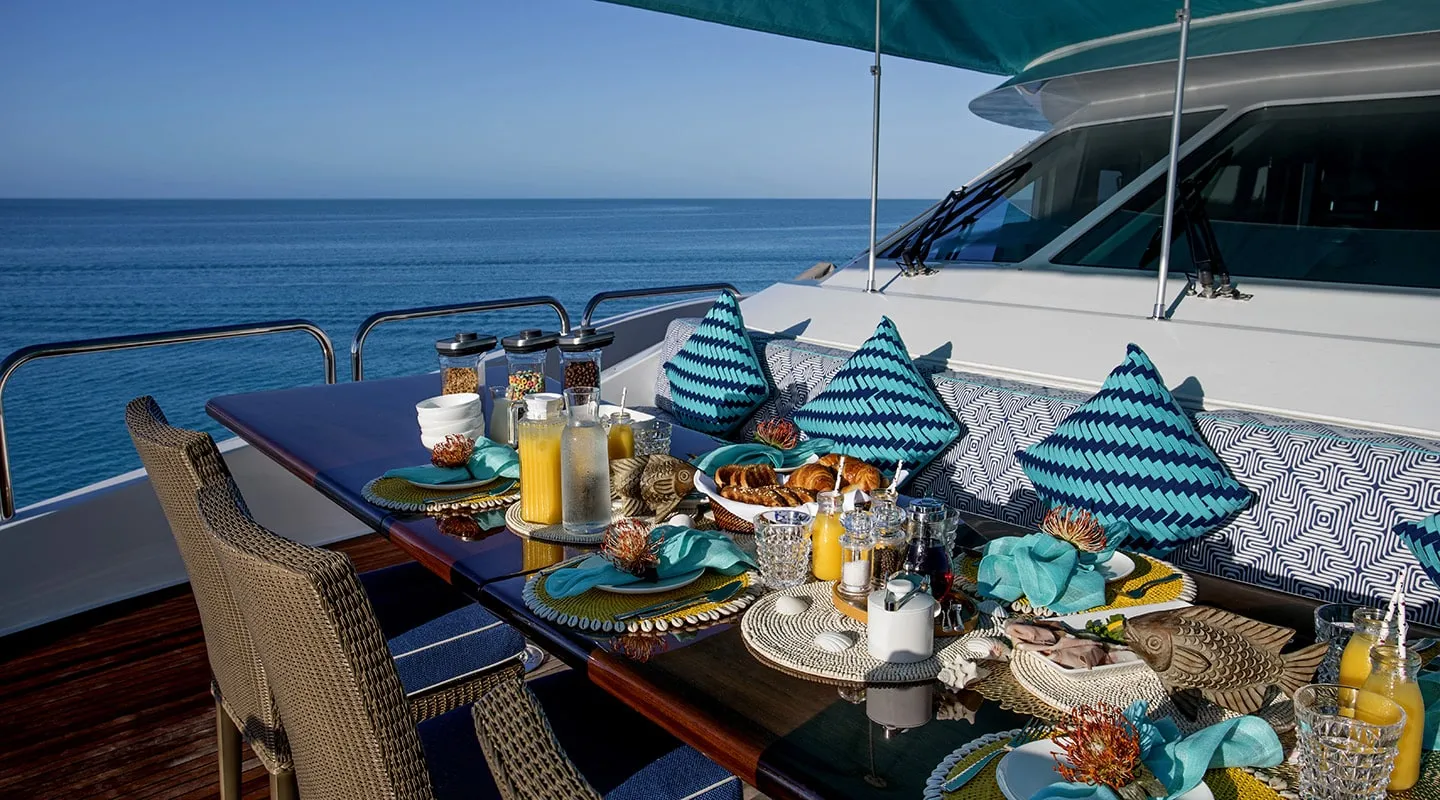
(1371, 629)
(1392, 675)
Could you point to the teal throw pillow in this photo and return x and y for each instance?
(716, 380)
(1132, 457)
(879, 408)
(1423, 539)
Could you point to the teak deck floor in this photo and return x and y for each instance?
(116, 703)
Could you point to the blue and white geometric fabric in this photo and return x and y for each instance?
(879, 408)
(799, 371)
(716, 379)
(1423, 539)
(1131, 456)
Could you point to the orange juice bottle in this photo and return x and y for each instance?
(539, 445)
(1370, 630)
(825, 551)
(1393, 675)
(620, 435)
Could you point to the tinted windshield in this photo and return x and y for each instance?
(1067, 177)
(1323, 192)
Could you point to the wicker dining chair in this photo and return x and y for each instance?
(352, 730)
(439, 639)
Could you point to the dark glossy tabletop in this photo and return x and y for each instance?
(789, 737)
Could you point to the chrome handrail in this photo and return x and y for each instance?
(357, 345)
(36, 352)
(654, 291)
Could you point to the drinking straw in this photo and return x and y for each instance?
(1403, 629)
(623, 391)
(1395, 595)
(899, 465)
(840, 472)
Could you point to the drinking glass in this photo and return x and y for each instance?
(782, 544)
(1348, 740)
(652, 437)
(1334, 625)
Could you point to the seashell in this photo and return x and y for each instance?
(834, 641)
(683, 520)
(985, 648)
(958, 673)
(625, 475)
(664, 482)
(789, 605)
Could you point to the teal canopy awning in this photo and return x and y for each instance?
(1011, 37)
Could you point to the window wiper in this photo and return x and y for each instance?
(1212, 278)
(960, 209)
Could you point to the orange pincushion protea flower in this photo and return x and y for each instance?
(1076, 527)
(780, 434)
(1098, 746)
(629, 547)
(453, 451)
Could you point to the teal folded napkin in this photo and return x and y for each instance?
(1180, 762)
(682, 550)
(490, 460)
(756, 453)
(1047, 571)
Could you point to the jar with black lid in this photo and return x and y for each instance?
(525, 354)
(460, 370)
(580, 356)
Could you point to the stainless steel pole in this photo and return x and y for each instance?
(875, 153)
(1171, 178)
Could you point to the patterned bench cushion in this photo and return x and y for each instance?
(1326, 497)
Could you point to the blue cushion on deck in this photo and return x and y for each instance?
(577, 710)
(681, 773)
(1131, 456)
(716, 379)
(407, 595)
(879, 407)
(1423, 538)
(453, 647)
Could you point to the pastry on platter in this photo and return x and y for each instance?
(814, 477)
(857, 473)
(747, 476)
(772, 496)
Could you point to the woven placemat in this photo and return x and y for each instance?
(1226, 784)
(546, 533)
(1146, 569)
(595, 610)
(787, 640)
(401, 495)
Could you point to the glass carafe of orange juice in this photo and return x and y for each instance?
(826, 554)
(1370, 629)
(1392, 675)
(538, 436)
(620, 434)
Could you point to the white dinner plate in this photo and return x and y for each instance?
(1119, 566)
(1026, 770)
(451, 487)
(657, 587)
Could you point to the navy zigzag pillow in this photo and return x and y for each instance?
(1423, 539)
(879, 408)
(716, 380)
(1131, 456)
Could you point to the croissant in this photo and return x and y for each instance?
(857, 474)
(747, 476)
(773, 496)
(815, 477)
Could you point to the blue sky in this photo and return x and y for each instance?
(458, 98)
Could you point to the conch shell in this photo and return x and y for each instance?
(650, 486)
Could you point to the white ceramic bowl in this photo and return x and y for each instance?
(462, 425)
(448, 408)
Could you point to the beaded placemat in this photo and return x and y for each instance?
(546, 533)
(1146, 569)
(401, 495)
(595, 610)
(1225, 784)
(788, 641)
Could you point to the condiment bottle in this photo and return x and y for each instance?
(925, 518)
(539, 440)
(825, 533)
(580, 356)
(891, 539)
(1371, 629)
(620, 430)
(525, 354)
(460, 370)
(502, 416)
(1392, 675)
(585, 465)
(856, 547)
(901, 621)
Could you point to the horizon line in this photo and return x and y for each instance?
(4, 198)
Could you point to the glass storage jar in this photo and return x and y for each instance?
(580, 357)
(460, 370)
(525, 354)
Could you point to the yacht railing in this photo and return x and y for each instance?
(36, 352)
(357, 345)
(654, 291)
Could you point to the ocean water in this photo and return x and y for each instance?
(78, 269)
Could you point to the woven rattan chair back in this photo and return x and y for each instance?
(524, 756)
(350, 729)
(179, 462)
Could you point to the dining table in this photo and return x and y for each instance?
(788, 735)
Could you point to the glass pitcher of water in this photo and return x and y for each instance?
(585, 471)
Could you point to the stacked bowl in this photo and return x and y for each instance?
(450, 414)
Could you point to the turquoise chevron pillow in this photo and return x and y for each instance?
(716, 380)
(1131, 456)
(1423, 539)
(879, 408)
